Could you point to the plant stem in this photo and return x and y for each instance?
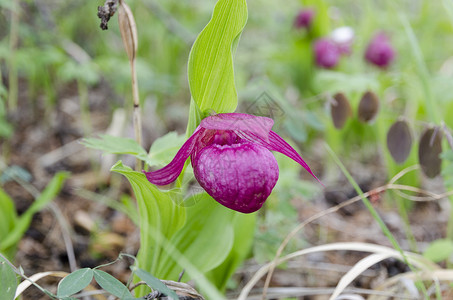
(137, 113)
(12, 64)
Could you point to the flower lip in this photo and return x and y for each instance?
(239, 176)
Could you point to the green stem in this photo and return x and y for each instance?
(137, 112)
(402, 210)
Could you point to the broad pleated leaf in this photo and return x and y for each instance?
(244, 229)
(210, 68)
(205, 240)
(164, 148)
(160, 216)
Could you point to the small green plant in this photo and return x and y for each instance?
(73, 284)
(12, 226)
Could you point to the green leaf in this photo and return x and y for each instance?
(8, 220)
(116, 145)
(160, 216)
(321, 24)
(439, 250)
(8, 281)
(205, 240)
(74, 282)
(155, 283)
(161, 219)
(210, 68)
(244, 230)
(111, 284)
(164, 149)
(6, 129)
(8, 215)
(49, 193)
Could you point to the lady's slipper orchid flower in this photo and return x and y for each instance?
(304, 18)
(380, 51)
(327, 53)
(231, 159)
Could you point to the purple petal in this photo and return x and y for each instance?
(276, 143)
(170, 172)
(260, 126)
(239, 176)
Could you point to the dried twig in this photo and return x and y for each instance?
(129, 35)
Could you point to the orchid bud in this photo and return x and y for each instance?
(304, 19)
(327, 53)
(379, 51)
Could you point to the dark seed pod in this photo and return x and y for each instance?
(429, 151)
(399, 141)
(340, 110)
(368, 107)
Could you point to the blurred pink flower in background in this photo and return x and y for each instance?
(380, 51)
(304, 18)
(327, 53)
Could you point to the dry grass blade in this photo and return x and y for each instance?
(416, 260)
(34, 278)
(434, 275)
(355, 272)
(349, 294)
(391, 185)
